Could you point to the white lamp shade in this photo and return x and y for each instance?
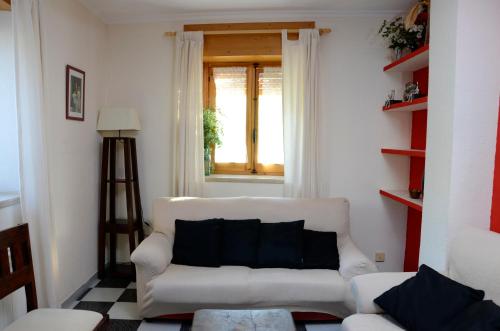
(116, 118)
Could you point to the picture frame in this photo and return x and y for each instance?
(75, 94)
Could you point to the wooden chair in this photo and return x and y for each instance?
(16, 271)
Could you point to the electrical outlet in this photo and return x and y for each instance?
(379, 257)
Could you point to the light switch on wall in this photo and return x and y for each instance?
(379, 257)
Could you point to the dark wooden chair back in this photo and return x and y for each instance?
(16, 264)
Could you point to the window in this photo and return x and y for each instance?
(248, 99)
(9, 149)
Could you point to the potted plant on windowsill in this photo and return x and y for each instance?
(212, 132)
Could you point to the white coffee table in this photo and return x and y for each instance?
(242, 320)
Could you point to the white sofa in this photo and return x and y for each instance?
(165, 289)
(472, 260)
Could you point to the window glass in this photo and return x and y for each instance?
(231, 105)
(270, 117)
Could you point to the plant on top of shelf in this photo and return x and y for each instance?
(212, 131)
(400, 38)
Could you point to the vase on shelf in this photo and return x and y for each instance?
(208, 161)
(398, 53)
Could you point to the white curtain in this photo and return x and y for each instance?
(33, 149)
(300, 63)
(188, 94)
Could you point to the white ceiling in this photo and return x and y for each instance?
(115, 11)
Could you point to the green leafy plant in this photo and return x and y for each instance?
(400, 37)
(212, 129)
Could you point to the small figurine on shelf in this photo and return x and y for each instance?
(390, 99)
(412, 91)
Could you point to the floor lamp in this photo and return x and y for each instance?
(112, 121)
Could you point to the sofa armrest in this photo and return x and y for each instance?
(154, 253)
(365, 288)
(352, 261)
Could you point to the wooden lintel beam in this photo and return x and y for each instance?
(5, 5)
(250, 26)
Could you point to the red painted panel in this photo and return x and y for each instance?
(422, 77)
(417, 168)
(418, 141)
(413, 228)
(495, 203)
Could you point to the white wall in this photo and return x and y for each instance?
(72, 35)
(9, 151)
(353, 89)
(462, 123)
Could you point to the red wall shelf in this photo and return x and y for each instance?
(405, 152)
(411, 62)
(415, 105)
(416, 63)
(403, 196)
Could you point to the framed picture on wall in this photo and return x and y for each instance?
(75, 94)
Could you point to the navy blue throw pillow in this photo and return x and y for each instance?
(480, 316)
(320, 250)
(240, 242)
(281, 245)
(197, 243)
(428, 301)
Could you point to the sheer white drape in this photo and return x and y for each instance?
(33, 149)
(300, 64)
(188, 94)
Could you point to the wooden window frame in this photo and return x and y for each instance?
(252, 167)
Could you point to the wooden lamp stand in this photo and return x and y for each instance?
(108, 222)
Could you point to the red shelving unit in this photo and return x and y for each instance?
(415, 105)
(403, 197)
(404, 152)
(416, 62)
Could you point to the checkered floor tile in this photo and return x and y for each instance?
(118, 299)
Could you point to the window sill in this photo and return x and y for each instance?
(255, 179)
(8, 199)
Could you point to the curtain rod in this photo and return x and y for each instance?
(321, 32)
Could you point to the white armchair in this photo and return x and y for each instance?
(469, 262)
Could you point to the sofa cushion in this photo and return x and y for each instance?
(197, 243)
(370, 322)
(320, 250)
(281, 245)
(186, 284)
(427, 301)
(237, 285)
(327, 214)
(240, 242)
(47, 319)
(480, 316)
(293, 286)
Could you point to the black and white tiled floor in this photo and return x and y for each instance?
(118, 299)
